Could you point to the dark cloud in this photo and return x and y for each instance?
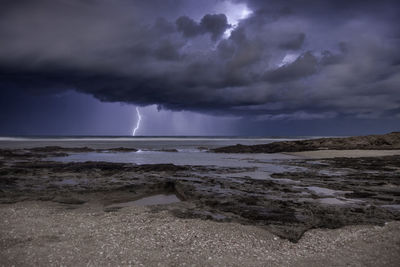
(214, 24)
(286, 60)
(188, 27)
(305, 65)
(294, 43)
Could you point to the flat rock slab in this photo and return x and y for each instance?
(324, 193)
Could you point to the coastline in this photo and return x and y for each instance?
(353, 153)
(333, 207)
(390, 141)
(44, 233)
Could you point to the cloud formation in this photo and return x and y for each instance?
(215, 24)
(286, 60)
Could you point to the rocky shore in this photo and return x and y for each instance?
(370, 142)
(328, 193)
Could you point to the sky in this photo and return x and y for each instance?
(210, 67)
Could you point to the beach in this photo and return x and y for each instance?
(48, 234)
(199, 133)
(91, 204)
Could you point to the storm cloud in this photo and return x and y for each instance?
(286, 59)
(215, 24)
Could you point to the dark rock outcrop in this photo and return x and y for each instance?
(119, 149)
(323, 193)
(47, 149)
(379, 142)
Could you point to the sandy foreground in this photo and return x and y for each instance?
(48, 234)
(343, 153)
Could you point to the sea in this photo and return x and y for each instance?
(140, 142)
(182, 150)
(178, 150)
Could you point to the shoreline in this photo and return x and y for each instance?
(351, 153)
(52, 234)
(333, 207)
(297, 195)
(390, 141)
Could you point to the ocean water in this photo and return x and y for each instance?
(143, 143)
(191, 151)
(183, 157)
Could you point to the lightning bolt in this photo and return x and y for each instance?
(137, 122)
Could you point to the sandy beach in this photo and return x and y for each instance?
(48, 234)
(307, 208)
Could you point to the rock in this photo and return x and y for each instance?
(287, 209)
(120, 149)
(47, 149)
(386, 141)
(161, 167)
(68, 200)
(168, 150)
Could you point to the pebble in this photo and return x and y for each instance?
(42, 234)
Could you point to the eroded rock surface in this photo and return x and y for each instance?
(386, 141)
(326, 193)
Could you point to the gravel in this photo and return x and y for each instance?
(53, 234)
